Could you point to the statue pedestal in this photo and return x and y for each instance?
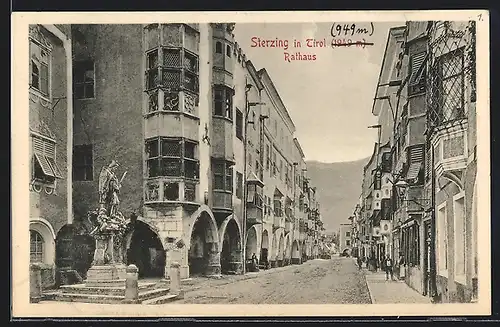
(108, 259)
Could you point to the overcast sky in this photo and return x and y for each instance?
(329, 99)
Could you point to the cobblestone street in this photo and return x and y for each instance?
(335, 281)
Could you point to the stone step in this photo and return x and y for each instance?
(105, 282)
(111, 290)
(86, 298)
(161, 299)
(151, 294)
(146, 295)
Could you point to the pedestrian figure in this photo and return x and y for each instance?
(401, 265)
(359, 262)
(255, 262)
(388, 268)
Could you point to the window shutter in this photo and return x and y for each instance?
(417, 61)
(428, 164)
(38, 145)
(50, 149)
(416, 154)
(44, 78)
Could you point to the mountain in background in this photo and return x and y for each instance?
(338, 187)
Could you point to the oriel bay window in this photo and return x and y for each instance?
(447, 82)
(278, 208)
(172, 157)
(173, 69)
(223, 176)
(223, 101)
(255, 195)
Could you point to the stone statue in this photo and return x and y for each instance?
(109, 188)
(107, 218)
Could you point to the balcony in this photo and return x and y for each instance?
(222, 138)
(288, 214)
(169, 190)
(278, 222)
(222, 202)
(255, 200)
(254, 215)
(450, 149)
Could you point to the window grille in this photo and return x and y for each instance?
(451, 64)
(171, 58)
(172, 157)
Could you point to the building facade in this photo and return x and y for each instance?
(451, 108)
(345, 238)
(425, 101)
(50, 128)
(202, 139)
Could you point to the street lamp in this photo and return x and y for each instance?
(248, 105)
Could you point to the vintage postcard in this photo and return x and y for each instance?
(278, 163)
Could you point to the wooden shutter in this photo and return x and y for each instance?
(416, 67)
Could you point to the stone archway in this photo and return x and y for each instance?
(303, 251)
(315, 251)
(42, 231)
(295, 253)
(230, 256)
(288, 250)
(264, 250)
(74, 251)
(203, 255)
(251, 243)
(145, 250)
(281, 250)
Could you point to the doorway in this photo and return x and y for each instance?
(264, 252)
(426, 270)
(231, 249)
(146, 252)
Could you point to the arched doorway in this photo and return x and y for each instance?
(288, 250)
(281, 250)
(315, 251)
(74, 251)
(251, 243)
(295, 253)
(303, 254)
(264, 251)
(145, 250)
(230, 258)
(203, 256)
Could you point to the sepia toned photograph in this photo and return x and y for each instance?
(251, 162)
